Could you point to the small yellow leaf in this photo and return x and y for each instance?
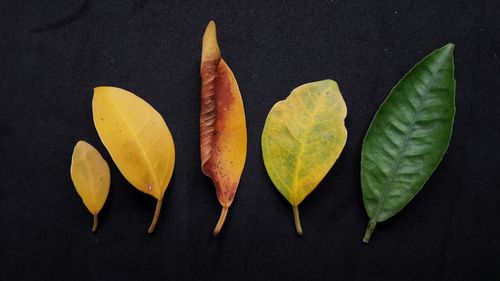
(302, 138)
(90, 175)
(138, 140)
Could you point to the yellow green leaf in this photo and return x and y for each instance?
(302, 138)
(90, 175)
(137, 139)
(223, 131)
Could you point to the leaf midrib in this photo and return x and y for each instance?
(138, 142)
(298, 166)
(407, 138)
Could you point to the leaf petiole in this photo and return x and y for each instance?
(156, 215)
(369, 230)
(221, 221)
(296, 218)
(94, 227)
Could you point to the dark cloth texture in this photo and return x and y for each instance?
(53, 53)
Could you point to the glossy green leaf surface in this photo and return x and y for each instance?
(302, 138)
(408, 136)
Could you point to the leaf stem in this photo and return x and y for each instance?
(369, 230)
(96, 221)
(296, 218)
(156, 215)
(221, 221)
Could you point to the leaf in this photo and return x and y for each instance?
(223, 133)
(408, 137)
(302, 138)
(138, 140)
(90, 175)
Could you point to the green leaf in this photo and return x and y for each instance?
(302, 138)
(408, 137)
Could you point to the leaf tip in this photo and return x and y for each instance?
(210, 32)
(81, 144)
(448, 48)
(98, 89)
(210, 48)
(211, 24)
(330, 82)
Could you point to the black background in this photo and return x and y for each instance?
(54, 52)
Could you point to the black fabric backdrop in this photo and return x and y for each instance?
(54, 52)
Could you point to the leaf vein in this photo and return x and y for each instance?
(405, 143)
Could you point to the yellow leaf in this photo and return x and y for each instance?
(90, 175)
(223, 132)
(138, 140)
(302, 138)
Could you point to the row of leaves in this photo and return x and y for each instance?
(302, 138)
